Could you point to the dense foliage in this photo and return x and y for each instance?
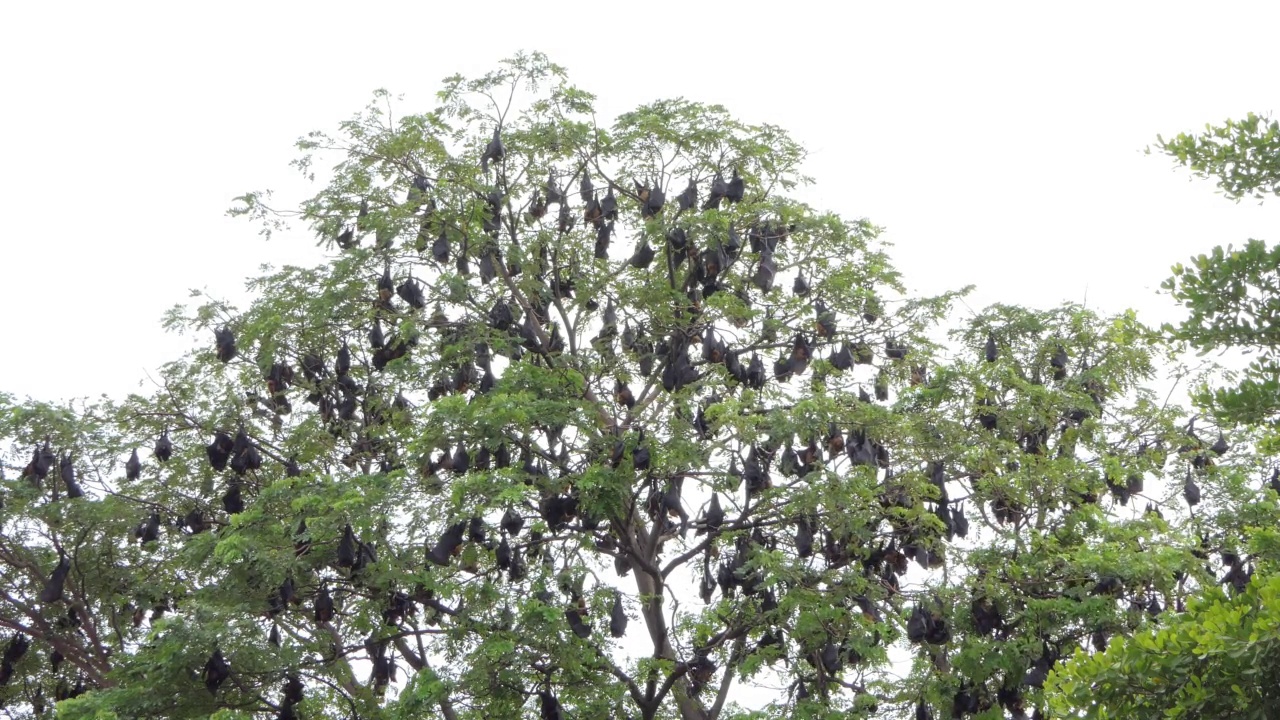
(585, 421)
(1218, 659)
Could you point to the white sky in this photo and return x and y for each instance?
(1000, 144)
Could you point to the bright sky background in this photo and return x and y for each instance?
(999, 144)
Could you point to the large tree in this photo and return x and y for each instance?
(591, 421)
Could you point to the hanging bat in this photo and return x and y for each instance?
(654, 202)
(68, 471)
(579, 626)
(826, 321)
(225, 344)
(800, 288)
(643, 255)
(618, 617)
(512, 522)
(765, 272)
(133, 468)
(347, 239)
(719, 188)
(689, 197)
(216, 670)
(53, 589)
(609, 205)
(411, 292)
(494, 151)
(554, 194)
(735, 189)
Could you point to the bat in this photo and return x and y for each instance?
(494, 151)
(654, 202)
(618, 617)
(346, 239)
(411, 292)
(765, 272)
(512, 522)
(735, 189)
(554, 194)
(719, 188)
(800, 288)
(449, 543)
(53, 589)
(133, 468)
(609, 205)
(67, 470)
(580, 627)
(643, 255)
(689, 197)
(216, 670)
(225, 344)
(1059, 363)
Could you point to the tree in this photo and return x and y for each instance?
(586, 421)
(1231, 294)
(1217, 659)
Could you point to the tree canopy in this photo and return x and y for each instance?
(598, 421)
(1217, 659)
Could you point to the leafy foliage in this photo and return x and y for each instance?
(1243, 155)
(1217, 659)
(1233, 299)
(565, 440)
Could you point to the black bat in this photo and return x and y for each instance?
(502, 555)
(603, 234)
(826, 322)
(579, 626)
(216, 670)
(347, 239)
(714, 517)
(765, 272)
(549, 706)
(225, 343)
(718, 191)
(494, 151)
(343, 364)
(68, 471)
(512, 522)
(800, 287)
(735, 189)
(623, 395)
(618, 617)
(1059, 363)
(232, 503)
(133, 468)
(52, 591)
(643, 255)
(554, 194)
(689, 197)
(654, 202)
(449, 543)
(440, 248)
(411, 292)
(347, 547)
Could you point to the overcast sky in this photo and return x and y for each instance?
(999, 144)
